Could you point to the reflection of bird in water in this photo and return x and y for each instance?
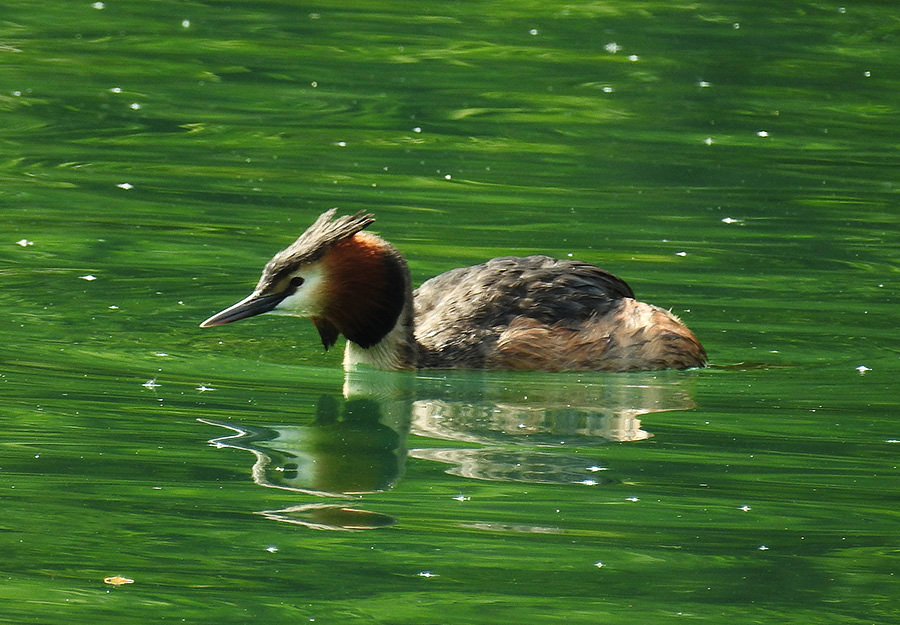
(351, 448)
(535, 313)
(354, 446)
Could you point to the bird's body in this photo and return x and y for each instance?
(536, 312)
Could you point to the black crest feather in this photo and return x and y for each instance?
(324, 233)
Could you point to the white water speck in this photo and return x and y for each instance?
(745, 508)
(862, 369)
(612, 47)
(533, 32)
(341, 144)
(703, 84)
(151, 384)
(763, 548)
(271, 548)
(98, 5)
(730, 220)
(588, 482)
(427, 574)
(762, 133)
(185, 23)
(203, 388)
(134, 106)
(417, 129)
(632, 499)
(633, 57)
(680, 253)
(125, 185)
(594, 468)
(598, 564)
(447, 177)
(462, 497)
(24, 242)
(116, 90)
(89, 277)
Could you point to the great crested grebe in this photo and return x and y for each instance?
(536, 312)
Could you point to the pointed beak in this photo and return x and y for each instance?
(247, 307)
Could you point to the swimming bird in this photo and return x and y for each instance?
(536, 312)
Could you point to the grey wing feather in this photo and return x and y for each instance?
(464, 310)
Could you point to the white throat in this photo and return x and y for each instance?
(389, 354)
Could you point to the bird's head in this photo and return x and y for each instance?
(347, 281)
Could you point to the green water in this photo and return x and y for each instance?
(734, 161)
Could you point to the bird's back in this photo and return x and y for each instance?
(515, 312)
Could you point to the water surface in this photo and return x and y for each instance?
(734, 162)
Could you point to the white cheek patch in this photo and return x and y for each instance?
(307, 300)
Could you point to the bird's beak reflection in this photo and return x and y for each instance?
(248, 307)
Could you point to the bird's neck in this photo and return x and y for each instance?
(370, 303)
(397, 350)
